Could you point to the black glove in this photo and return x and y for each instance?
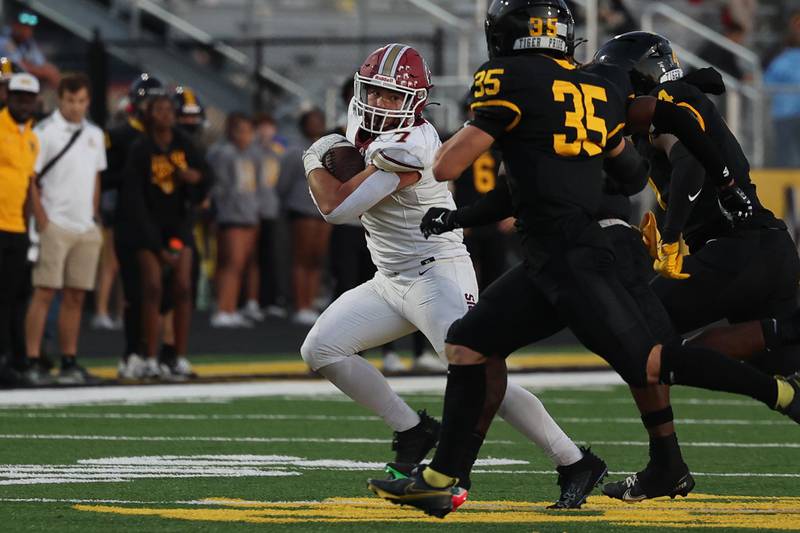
(735, 204)
(438, 220)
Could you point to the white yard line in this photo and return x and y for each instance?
(163, 438)
(356, 418)
(166, 438)
(294, 388)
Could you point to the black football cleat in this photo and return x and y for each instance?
(411, 446)
(793, 409)
(651, 483)
(578, 480)
(414, 491)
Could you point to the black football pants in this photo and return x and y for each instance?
(582, 290)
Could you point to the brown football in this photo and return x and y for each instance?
(343, 162)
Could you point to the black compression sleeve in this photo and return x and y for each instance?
(669, 118)
(627, 172)
(494, 206)
(686, 181)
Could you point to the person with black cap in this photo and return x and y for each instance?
(19, 148)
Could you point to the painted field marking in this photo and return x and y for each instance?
(167, 438)
(697, 511)
(524, 361)
(164, 438)
(294, 388)
(124, 469)
(356, 418)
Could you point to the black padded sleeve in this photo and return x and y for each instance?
(494, 206)
(669, 118)
(686, 182)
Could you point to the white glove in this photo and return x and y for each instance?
(312, 157)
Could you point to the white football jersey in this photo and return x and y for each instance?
(393, 236)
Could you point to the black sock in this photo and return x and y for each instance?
(665, 452)
(168, 352)
(707, 369)
(464, 398)
(67, 361)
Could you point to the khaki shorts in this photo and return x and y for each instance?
(67, 259)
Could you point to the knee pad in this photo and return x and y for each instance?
(316, 354)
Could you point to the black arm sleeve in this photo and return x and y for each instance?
(627, 173)
(685, 183)
(494, 206)
(669, 118)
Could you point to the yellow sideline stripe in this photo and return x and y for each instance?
(521, 361)
(715, 512)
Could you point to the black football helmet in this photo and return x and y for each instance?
(144, 87)
(191, 114)
(648, 58)
(520, 26)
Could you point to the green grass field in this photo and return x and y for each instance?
(299, 463)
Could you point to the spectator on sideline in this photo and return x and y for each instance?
(19, 147)
(263, 271)
(17, 43)
(165, 176)
(65, 202)
(118, 144)
(310, 233)
(235, 198)
(781, 73)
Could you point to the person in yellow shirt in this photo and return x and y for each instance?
(19, 147)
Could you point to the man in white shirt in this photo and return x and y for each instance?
(65, 200)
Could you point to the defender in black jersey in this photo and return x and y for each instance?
(553, 123)
(739, 271)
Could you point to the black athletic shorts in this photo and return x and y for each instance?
(750, 275)
(579, 289)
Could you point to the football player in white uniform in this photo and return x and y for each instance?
(421, 284)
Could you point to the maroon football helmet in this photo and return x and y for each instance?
(400, 68)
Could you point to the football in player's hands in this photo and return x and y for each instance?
(343, 161)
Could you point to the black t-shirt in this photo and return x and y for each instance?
(156, 206)
(552, 122)
(705, 221)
